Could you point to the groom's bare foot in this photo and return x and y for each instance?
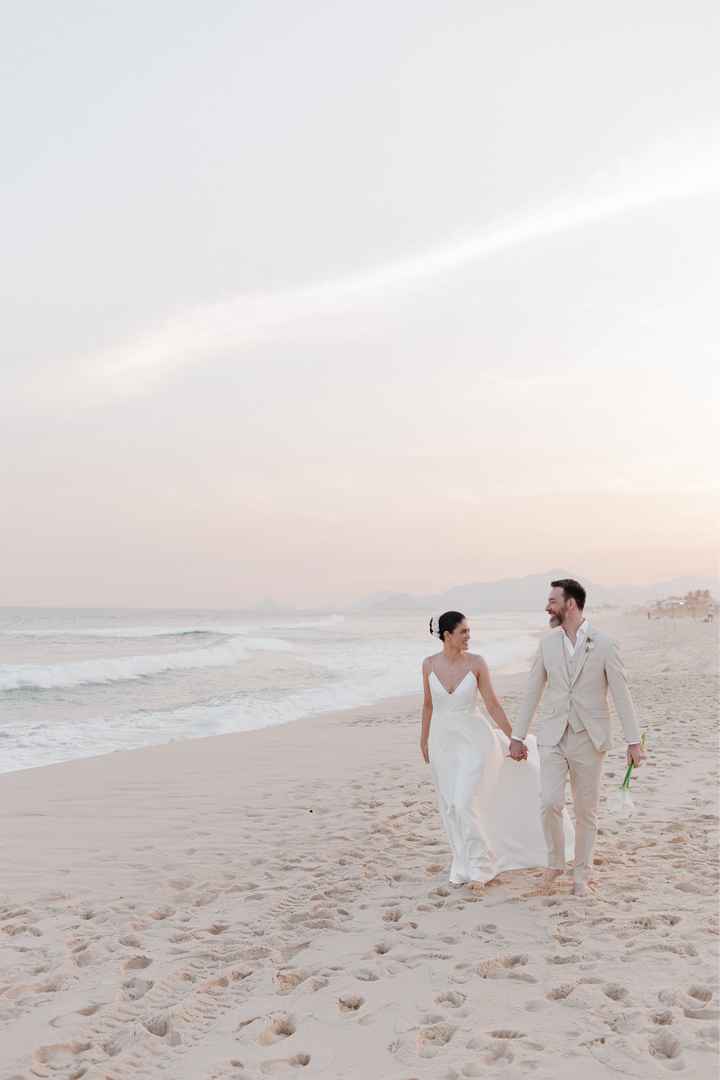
(581, 888)
(550, 877)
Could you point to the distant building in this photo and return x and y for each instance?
(698, 604)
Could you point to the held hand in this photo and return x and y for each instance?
(424, 751)
(518, 750)
(635, 754)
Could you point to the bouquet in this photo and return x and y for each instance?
(622, 803)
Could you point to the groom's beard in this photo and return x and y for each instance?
(555, 621)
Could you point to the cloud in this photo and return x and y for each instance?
(251, 318)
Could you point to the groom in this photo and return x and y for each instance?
(576, 664)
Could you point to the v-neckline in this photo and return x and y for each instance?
(455, 688)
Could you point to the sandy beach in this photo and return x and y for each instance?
(276, 902)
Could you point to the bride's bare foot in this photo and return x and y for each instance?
(550, 877)
(482, 886)
(581, 888)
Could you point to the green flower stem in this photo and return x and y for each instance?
(626, 782)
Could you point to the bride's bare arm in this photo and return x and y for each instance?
(487, 693)
(426, 712)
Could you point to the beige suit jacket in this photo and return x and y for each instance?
(597, 669)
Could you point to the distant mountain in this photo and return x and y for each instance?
(678, 586)
(391, 601)
(510, 594)
(530, 593)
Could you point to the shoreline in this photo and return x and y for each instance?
(227, 907)
(505, 673)
(504, 678)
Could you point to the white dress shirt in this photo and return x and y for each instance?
(580, 638)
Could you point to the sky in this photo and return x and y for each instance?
(302, 302)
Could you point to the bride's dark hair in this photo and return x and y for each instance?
(447, 622)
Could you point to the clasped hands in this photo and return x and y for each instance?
(518, 750)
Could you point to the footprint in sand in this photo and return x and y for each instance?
(21, 928)
(90, 1010)
(453, 998)
(666, 1047)
(162, 913)
(281, 1028)
(350, 1003)
(499, 1054)
(134, 989)
(702, 995)
(298, 1061)
(644, 922)
(137, 963)
(83, 955)
(392, 916)
(113, 1047)
(495, 1053)
(48, 986)
(59, 1056)
(501, 967)
(287, 980)
(214, 986)
(366, 975)
(688, 886)
(430, 1040)
(131, 941)
(234, 1069)
(162, 1029)
(432, 1018)
(17, 913)
(71, 1018)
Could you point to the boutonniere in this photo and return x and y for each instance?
(589, 645)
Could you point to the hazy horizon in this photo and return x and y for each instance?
(358, 603)
(306, 303)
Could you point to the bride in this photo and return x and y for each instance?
(489, 804)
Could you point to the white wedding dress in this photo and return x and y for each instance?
(489, 804)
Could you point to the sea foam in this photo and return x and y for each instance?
(115, 669)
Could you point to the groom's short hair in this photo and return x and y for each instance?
(571, 588)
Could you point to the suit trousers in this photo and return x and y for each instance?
(574, 754)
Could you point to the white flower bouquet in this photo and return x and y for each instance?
(622, 803)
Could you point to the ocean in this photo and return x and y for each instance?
(76, 683)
